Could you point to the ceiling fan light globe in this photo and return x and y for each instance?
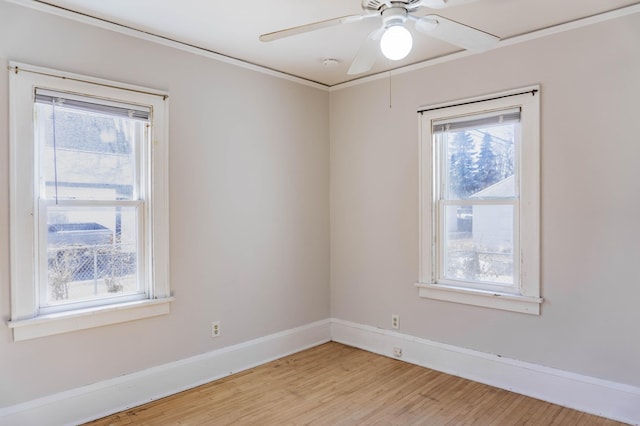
(396, 42)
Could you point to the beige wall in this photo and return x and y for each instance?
(249, 188)
(590, 202)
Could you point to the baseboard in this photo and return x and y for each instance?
(600, 397)
(587, 394)
(114, 395)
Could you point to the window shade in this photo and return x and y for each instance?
(100, 106)
(490, 119)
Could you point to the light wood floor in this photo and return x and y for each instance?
(333, 384)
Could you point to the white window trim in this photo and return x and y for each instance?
(528, 299)
(25, 321)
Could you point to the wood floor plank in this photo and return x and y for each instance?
(334, 384)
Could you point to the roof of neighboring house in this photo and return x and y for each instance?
(504, 188)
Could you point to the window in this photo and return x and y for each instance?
(479, 239)
(89, 228)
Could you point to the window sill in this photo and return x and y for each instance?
(489, 299)
(64, 322)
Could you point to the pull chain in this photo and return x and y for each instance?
(55, 152)
(390, 90)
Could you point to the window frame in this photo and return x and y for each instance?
(26, 319)
(46, 202)
(524, 298)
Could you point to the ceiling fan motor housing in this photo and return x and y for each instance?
(379, 5)
(394, 15)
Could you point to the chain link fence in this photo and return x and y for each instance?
(81, 270)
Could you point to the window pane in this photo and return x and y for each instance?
(91, 253)
(480, 163)
(86, 155)
(478, 243)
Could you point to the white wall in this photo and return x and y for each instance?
(249, 188)
(590, 199)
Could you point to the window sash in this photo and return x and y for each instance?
(41, 260)
(140, 156)
(439, 249)
(439, 130)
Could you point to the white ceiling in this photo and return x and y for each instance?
(231, 28)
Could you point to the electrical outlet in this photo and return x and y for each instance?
(397, 352)
(215, 329)
(395, 321)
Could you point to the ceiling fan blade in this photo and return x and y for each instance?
(441, 4)
(367, 54)
(456, 33)
(276, 35)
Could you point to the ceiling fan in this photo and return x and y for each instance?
(393, 37)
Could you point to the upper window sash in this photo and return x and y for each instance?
(126, 128)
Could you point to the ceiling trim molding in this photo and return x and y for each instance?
(510, 41)
(165, 41)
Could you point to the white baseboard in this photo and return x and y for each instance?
(114, 395)
(595, 396)
(600, 397)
